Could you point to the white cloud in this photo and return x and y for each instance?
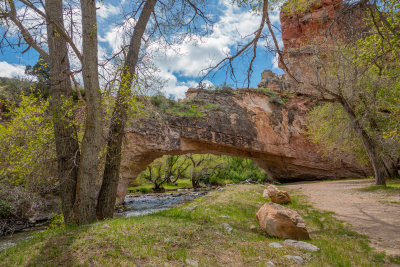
(11, 70)
(192, 55)
(275, 61)
(106, 10)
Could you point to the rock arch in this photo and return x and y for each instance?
(253, 123)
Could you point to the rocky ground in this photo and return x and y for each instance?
(367, 212)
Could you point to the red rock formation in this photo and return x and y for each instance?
(317, 30)
(250, 123)
(247, 123)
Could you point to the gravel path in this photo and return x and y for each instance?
(363, 210)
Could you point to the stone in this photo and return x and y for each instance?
(250, 123)
(282, 222)
(191, 262)
(297, 259)
(270, 264)
(227, 228)
(301, 245)
(307, 256)
(280, 197)
(106, 226)
(275, 245)
(276, 195)
(253, 227)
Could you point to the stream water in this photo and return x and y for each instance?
(135, 205)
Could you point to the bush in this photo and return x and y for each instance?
(145, 190)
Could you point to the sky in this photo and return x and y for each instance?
(178, 66)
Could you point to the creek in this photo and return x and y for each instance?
(135, 205)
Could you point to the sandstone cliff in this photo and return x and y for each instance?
(266, 125)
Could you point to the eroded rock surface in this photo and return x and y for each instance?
(245, 123)
(279, 221)
(266, 125)
(276, 195)
(315, 30)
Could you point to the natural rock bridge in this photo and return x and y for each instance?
(266, 126)
(254, 123)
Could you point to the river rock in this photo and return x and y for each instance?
(275, 245)
(301, 245)
(227, 227)
(282, 222)
(191, 262)
(276, 195)
(297, 259)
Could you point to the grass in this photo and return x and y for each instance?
(147, 187)
(180, 184)
(391, 186)
(194, 231)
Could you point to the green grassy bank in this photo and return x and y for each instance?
(194, 231)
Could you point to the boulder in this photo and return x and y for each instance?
(282, 222)
(276, 195)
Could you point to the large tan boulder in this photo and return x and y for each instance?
(282, 222)
(276, 195)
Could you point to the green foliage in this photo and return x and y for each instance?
(380, 52)
(235, 169)
(188, 108)
(27, 152)
(41, 71)
(207, 168)
(55, 222)
(328, 124)
(5, 208)
(12, 88)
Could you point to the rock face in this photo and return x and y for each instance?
(267, 126)
(276, 195)
(245, 123)
(281, 222)
(310, 32)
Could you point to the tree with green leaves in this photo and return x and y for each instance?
(79, 161)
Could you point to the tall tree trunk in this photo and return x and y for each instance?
(108, 191)
(86, 194)
(67, 147)
(377, 162)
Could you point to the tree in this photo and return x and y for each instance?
(79, 163)
(197, 169)
(167, 169)
(344, 80)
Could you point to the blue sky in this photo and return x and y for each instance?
(181, 69)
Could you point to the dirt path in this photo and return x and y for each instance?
(363, 210)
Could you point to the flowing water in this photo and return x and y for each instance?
(134, 206)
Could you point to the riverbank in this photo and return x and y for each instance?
(195, 233)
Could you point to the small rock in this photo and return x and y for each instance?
(106, 226)
(296, 259)
(301, 245)
(270, 264)
(6, 245)
(191, 262)
(307, 256)
(275, 245)
(253, 227)
(227, 227)
(220, 189)
(224, 216)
